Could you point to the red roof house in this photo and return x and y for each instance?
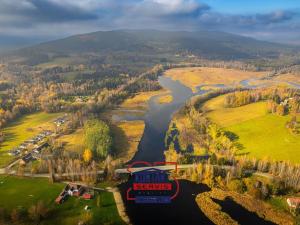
(294, 202)
(87, 196)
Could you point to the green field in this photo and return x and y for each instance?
(229, 116)
(22, 129)
(261, 134)
(24, 192)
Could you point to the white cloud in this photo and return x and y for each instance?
(56, 18)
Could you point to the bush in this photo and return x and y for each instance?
(237, 186)
(298, 220)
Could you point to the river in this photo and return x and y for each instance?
(183, 210)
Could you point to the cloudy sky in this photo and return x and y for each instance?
(28, 21)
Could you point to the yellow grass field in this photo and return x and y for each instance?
(192, 77)
(229, 116)
(73, 142)
(165, 99)
(140, 100)
(22, 129)
(127, 135)
(289, 77)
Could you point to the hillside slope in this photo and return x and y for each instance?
(154, 44)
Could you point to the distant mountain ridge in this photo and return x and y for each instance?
(206, 44)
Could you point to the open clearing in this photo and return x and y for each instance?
(193, 77)
(127, 135)
(73, 142)
(229, 116)
(261, 134)
(24, 192)
(165, 99)
(140, 100)
(288, 77)
(22, 129)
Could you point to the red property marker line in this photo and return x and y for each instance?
(135, 163)
(149, 164)
(127, 194)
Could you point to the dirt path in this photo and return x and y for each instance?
(120, 205)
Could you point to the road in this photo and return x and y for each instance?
(47, 175)
(135, 169)
(164, 167)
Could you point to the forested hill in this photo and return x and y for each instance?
(153, 44)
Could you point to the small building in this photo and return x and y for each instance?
(75, 190)
(26, 159)
(62, 197)
(87, 196)
(79, 191)
(294, 204)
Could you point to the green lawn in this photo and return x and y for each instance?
(260, 133)
(23, 192)
(230, 116)
(279, 203)
(267, 136)
(22, 129)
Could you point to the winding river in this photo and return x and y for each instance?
(183, 210)
(157, 120)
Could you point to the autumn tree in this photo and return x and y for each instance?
(171, 155)
(38, 211)
(15, 216)
(87, 155)
(97, 137)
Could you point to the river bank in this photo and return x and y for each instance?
(151, 148)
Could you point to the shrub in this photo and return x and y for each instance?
(237, 186)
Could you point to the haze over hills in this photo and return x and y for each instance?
(154, 44)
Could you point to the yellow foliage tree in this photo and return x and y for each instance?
(87, 155)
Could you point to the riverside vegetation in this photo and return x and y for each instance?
(195, 132)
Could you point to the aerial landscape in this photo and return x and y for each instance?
(173, 112)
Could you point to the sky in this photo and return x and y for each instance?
(30, 21)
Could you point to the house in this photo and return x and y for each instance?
(75, 190)
(27, 158)
(87, 196)
(14, 152)
(31, 141)
(79, 191)
(294, 204)
(22, 146)
(62, 197)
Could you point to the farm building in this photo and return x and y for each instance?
(75, 190)
(294, 204)
(62, 197)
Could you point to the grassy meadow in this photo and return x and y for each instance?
(193, 77)
(229, 116)
(165, 99)
(127, 135)
(260, 133)
(22, 129)
(140, 100)
(289, 77)
(73, 142)
(22, 193)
